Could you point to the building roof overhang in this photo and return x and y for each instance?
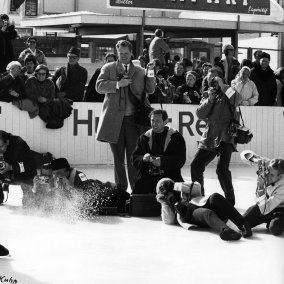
(94, 23)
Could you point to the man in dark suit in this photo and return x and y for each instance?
(120, 81)
(70, 82)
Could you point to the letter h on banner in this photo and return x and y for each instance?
(83, 121)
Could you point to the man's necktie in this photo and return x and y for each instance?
(125, 67)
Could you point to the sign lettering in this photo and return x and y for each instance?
(255, 7)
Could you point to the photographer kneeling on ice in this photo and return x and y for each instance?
(269, 207)
(183, 202)
(16, 162)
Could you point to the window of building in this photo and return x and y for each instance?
(31, 8)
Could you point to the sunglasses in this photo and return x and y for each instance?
(72, 56)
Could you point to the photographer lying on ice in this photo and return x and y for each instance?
(16, 162)
(183, 202)
(269, 207)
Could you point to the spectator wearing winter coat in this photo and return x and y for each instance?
(178, 78)
(39, 88)
(188, 93)
(12, 86)
(263, 77)
(230, 63)
(247, 94)
(32, 49)
(70, 82)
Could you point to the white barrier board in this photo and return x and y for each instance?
(76, 139)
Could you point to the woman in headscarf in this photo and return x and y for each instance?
(247, 94)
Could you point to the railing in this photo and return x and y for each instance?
(76, 139)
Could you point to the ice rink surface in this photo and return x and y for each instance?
(112, 249)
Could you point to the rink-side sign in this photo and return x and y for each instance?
(255, 7)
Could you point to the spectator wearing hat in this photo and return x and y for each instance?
(31, 44)
(256, 56)
(7, 34)
(279, 73)
(263, 77)
(70, 82)
(230, 63)
(158, 47)
(188, 93)
(12, 85)
(91, 95)
(40, 89)
(30, 64)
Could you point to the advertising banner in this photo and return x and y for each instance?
(256, 7)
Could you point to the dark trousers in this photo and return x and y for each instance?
(215, 213)
(274, 219)
(204, 157)
(126, 143)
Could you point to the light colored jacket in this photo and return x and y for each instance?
(248, 94)
(157, 49)
(40, 57)
(273, 198)
(113, 109)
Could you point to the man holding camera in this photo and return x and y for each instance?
(160, 152)
(216, 109)
(122, 82)
(17, 163)
(269, 207)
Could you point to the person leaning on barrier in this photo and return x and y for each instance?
(17, 165)
(183, 203)
(12, 85)
(269, 207)
(216, 140)
(159, 152)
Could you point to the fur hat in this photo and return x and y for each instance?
(75, 50)
(60, 163)
(227, 47)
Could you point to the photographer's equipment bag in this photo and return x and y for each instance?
(144, 205)
(242, 134)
